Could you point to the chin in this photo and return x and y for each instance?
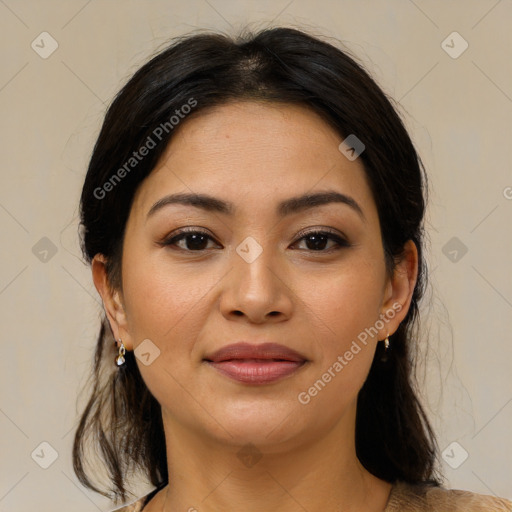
(261, 424)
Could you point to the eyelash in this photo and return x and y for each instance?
(181, 235)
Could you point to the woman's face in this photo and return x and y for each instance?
(256, 273)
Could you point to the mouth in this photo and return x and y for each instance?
(256, 364)
(256, 371)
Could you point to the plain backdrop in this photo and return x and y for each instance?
(456, 103)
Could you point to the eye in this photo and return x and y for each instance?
(194, 240)
(316, 241)
(191, 240)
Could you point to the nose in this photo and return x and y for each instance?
(258, 291)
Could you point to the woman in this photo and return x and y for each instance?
(253, 214)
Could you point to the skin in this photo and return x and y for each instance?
(315, 302)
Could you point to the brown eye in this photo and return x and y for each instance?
(193, 241)
(318, 240)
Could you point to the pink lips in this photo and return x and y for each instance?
(255, 364)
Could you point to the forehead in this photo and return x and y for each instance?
(261, 152)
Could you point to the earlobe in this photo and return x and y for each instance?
(112, 302)
(400, 288)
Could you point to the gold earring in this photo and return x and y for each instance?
(120, 358)
(386, 342)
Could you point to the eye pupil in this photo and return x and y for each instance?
(199, 242)
(319, 241)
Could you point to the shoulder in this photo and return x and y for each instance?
(424, 497)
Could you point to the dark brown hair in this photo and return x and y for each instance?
(122, 420)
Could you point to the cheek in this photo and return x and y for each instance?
(159, 303)
(159, 297)
(167, 306)
(344, 307)
(346, 300)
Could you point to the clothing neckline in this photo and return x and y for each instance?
(393, 498)
(389, 507)
(152, 494)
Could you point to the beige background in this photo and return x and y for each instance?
(457, 109)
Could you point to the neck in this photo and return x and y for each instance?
(318, 474)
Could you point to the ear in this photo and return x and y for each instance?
(399, 289)
(112, 301)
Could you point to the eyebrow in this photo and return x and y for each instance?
(284, 208)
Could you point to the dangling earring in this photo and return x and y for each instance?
(386, 343)
(385, 355)
(120, 358)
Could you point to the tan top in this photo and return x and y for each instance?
(410, 498)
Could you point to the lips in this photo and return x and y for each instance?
(265, 351)
(256, 364)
